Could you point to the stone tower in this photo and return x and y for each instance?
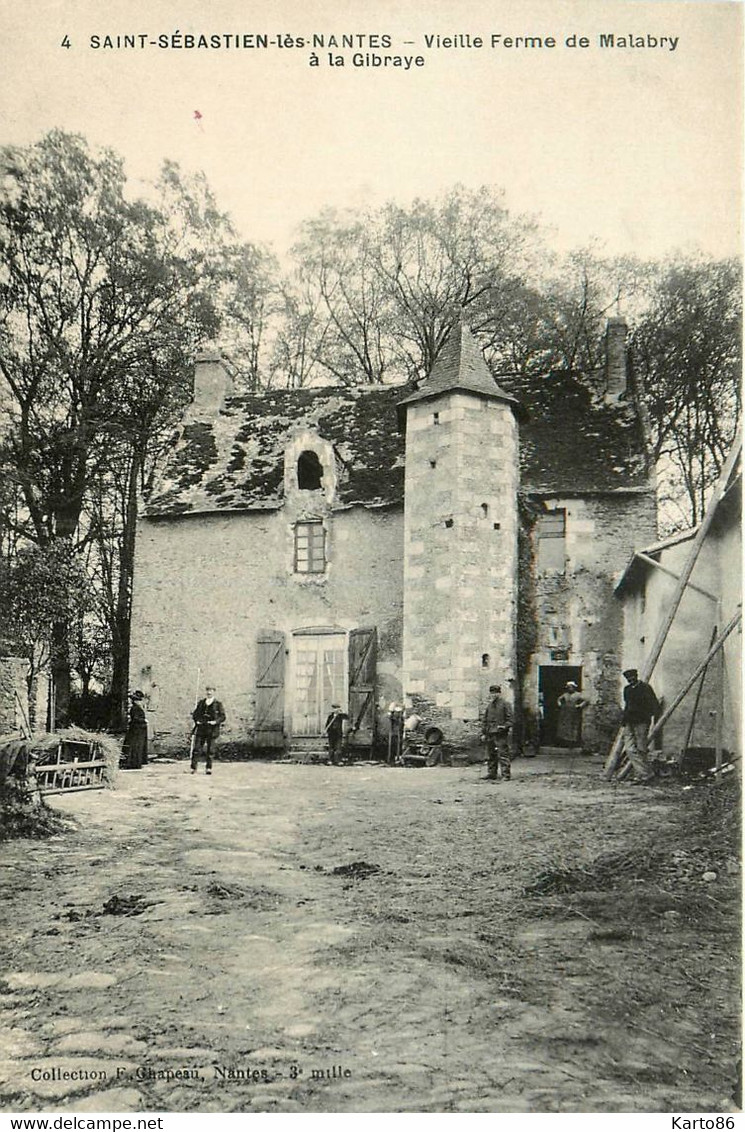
(460, 538)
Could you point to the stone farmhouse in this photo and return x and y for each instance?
(416, 543)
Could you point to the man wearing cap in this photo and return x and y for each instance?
(640, 707)
(334, 730)
(569, 725)
(496, 734)
(208, 716)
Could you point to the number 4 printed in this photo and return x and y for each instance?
(66, 42)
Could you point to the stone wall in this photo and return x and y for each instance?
(718, 570)
(460, 555)
(207, 585)
(13, 688)
(579, 620)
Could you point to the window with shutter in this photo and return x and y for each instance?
(320, 679)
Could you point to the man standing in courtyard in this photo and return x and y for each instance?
(334, 731)
(496, 735)
(208, 716)
(640, 707)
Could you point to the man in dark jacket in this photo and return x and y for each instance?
(640, 707)
(496, 734)
(208, 715)
(334, 731)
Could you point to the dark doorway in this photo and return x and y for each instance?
(552, 681)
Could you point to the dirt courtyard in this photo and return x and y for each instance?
(290, 938)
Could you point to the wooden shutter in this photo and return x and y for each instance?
(270, 690)
(362, 661)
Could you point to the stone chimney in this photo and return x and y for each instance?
(615, 358)
(212, 384)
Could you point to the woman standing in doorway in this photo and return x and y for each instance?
(569, 725)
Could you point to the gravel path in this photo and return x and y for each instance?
(293, 938)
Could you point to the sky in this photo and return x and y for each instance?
(638, 149)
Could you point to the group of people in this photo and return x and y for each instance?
(208, 717)
(640, 707)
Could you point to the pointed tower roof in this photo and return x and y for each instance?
(460, 367)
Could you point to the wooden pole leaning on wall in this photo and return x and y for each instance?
(699, 690)
(679, 696)
(654, 653)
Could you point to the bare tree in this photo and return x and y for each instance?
(687, 348)
(375, 295)
(337, 303)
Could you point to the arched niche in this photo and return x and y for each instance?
(309, 471)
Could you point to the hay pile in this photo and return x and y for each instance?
(42, 748)
(23, 812)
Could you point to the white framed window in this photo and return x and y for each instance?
(310, 547)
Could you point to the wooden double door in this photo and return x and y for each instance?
(301, 674)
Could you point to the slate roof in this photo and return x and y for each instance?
(574, 443)
(570, 442)
(460, 366)
(236, 461)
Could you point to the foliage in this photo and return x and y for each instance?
(24, 814)
(687, 349)
(374, 296)
(104, 301)
(87, 302)
(41, 587)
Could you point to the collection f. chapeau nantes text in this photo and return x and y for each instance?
(367, 46)
(248, 1074)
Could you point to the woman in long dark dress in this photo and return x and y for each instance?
(135, 741)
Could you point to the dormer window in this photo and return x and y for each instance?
(310, 547)
(309, 472)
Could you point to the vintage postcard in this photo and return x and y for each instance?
(370, 568)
